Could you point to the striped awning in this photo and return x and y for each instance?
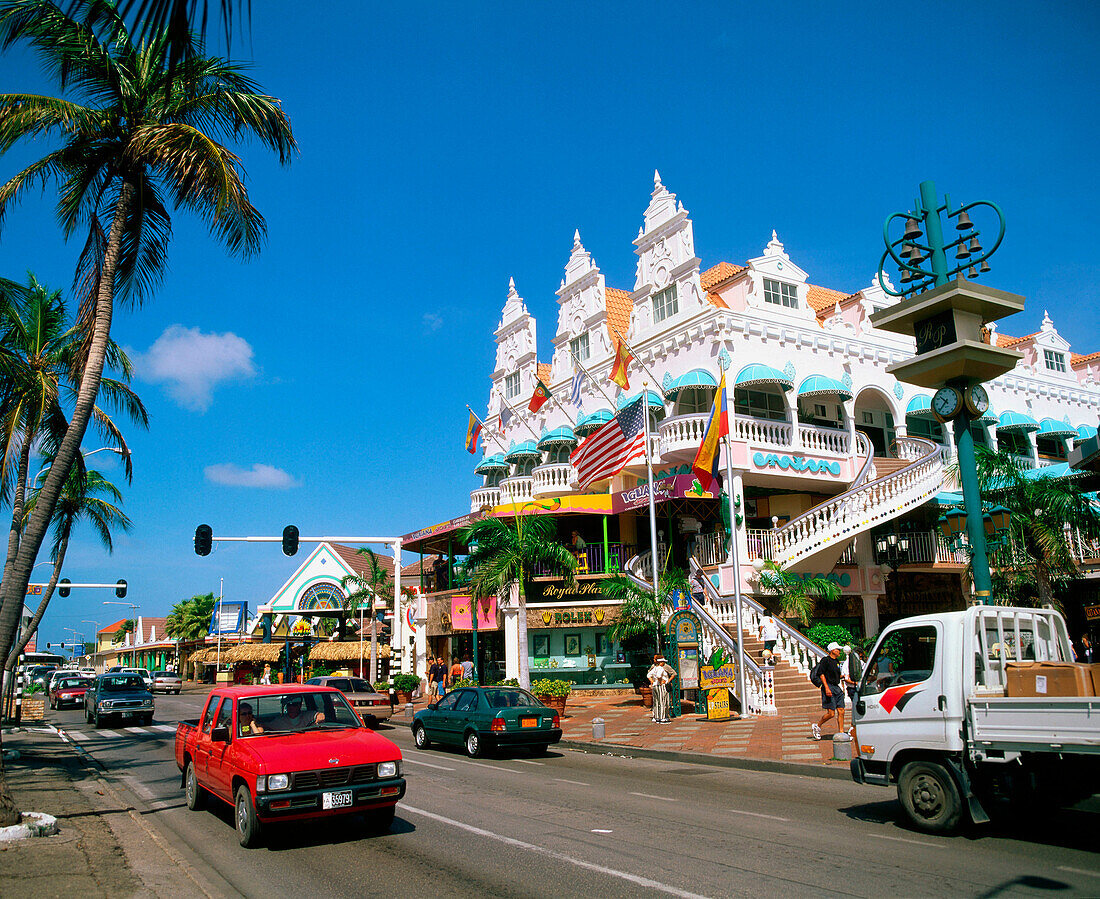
(591, 422)
(820, 385)
(655, 401)
(1017, 421)
(920, 406)
(1050, 427)
(562, 436)
(697, 377)
(758, 373)
(522, 451)
(490, 464)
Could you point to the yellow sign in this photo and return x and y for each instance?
(1092, 613)
(711, 678)
(718, 705)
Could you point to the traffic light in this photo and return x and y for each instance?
(63, 587)
(290, 540)
(204, 534)
(120, 590)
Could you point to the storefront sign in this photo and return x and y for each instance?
(795, 463)
(461, 620)
(677, 487)
(711, 678)
(578, 616)
(443, 527)
(1092, 613)
(718, 705)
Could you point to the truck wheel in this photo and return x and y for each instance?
(473, 744)
(420, 737)
(929, 796)
(95, 720)
(191, 788)
(244, 816)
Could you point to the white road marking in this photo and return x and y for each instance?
(598, 830)
(77, 735)
(559, 856)
(735, 811)
(1079, 871)
(110, 734)
(165, 728)
(651, 796)
(528, 762)
(408, 761)
(136, 730)
(879, 836)
(490, 767)
(575, 783)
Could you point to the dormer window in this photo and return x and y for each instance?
(511, 385)
(579, 347)
(664, 303)
(1054, 361)
(780, 293)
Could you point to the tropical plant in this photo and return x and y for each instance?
(797, 595)
(128, 627)
(824, 634)
(405, 683)
(640, 614)
(362, 590)
(551, 686)
(504, 555)
(1043, 513)
(189, 619)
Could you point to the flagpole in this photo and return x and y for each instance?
(735, 562)
(485, 428)
(645, 368)
(652, 505)
(568, 417)
(595, 383)
(521, 418)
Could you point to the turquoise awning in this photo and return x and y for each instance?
(989, 417)
(562, 436)
(697, 377)
(1017, 421)
(591, 422)
(490, 464)
(655, 401)
(1086, 432)
(1057, 470)
(1050, 427)
(820, 385)
(525, 450)
(758, 373)
(920, 406)
(947, 498)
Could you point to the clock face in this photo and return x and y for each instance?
(977, 400)
(947, 403)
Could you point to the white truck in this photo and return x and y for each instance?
(932, 715)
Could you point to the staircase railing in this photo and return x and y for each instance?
(865, 504)
(759, 682)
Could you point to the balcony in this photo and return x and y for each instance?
(761, 431)
(486, 496)
(832, 441)
(555, 479)
(595, 560)
(680, 436)
(518, 489)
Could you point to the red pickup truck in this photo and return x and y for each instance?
(287, 753)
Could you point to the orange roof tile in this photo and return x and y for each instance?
(716, 300)
(542, 372)
(822, 298)
(1006, 341)
(1079, 359)
(619, 307)
(718, 274)
(112, 628)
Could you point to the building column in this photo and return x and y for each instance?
(870, 613)
(397, 625)
(738, 493)
(511, 634)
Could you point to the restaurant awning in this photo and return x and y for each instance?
(1050, 427)
(920, 406)
(758, 373)
(490, 464)
(697, 377)
(522, 451)
(586, 424)
(562, 436)
(654, 400)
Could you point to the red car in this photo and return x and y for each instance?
(288, 753)
(68, 690)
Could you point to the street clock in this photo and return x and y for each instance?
(977, 400)
(946, 404)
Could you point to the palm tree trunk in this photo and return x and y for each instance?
(521, 639)
(23, 639)
(17, 568)
(1042, 581)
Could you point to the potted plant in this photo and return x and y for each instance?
(382, 686)
(404, 685)
(552, 692)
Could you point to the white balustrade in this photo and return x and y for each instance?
(824, 440)
(519, 489)
(554, 479)
(710, 549)
(761, 543)
(486, 496)
(761, 431)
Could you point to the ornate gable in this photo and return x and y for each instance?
(582, 309)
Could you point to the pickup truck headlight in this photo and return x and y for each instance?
(278, 781)
(387, 769)
(148, 703)
(105, 703)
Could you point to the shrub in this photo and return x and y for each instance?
(462, 682)
(383, 686)
(824, 634)
(550, 686)
(405, 683)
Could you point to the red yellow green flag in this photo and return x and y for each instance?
(705, 466)
(618, 370)
(539, 397)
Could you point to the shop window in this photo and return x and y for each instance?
(557, 455)
(579, 346)
(1051, 448)
(979, 433)
(665, 303)
(780, 293)
(542, 646)
(1015, 443)
(525, 468)
(759, 404)
(928, 428)
(603, 646)
(694, 400)
(572, 644)
(511, 385)
(493, 478)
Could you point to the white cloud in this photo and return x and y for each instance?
(432, 321)
(259, 475)
(191, 364)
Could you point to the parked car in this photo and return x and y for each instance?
(287, 753)
(40, 675)
(119, 695)
(87, 672)
(143, 673)
(68, 690)
(480, 719)
(166, 682)
(371, 705)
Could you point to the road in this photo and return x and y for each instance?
(575, 824)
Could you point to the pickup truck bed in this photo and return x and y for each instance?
(1054, 724)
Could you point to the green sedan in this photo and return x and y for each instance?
(480, 719)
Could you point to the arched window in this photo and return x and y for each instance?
(322, 596)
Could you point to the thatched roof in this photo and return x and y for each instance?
(199, 655)
(345, 652)
(253, 652)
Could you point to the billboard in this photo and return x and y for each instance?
(228, 618)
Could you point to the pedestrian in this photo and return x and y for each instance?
(658, 678)
(265, 678)
(769, 633)
(441, 678)
(827, 674)
(671, 673)
(437, 673)
(457, 672)
(1087, 654)
(468, 668)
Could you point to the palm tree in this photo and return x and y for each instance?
(189, 619)
(148, 131)
(503, 556)
(1043, 512)
(128, 627)
(88, 497)
(797, 595)
(364, 589)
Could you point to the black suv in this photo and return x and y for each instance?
(119, 695)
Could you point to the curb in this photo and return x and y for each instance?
(747, 764)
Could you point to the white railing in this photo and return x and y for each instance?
(761, 543)
(1025, 462)
(710, 549)
(824, 440)
(865, 506)
(518, 489)
(553, 479)
(486, 496)
(761, 431)
(683, 433)
(849, 556)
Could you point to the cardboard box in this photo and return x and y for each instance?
(1047, 679)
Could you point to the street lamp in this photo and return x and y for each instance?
(133, 607)
(95, 642)
(110, 449)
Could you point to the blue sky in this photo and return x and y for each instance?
(447, 147)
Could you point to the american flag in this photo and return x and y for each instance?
(613, 446)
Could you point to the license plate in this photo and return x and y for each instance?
(336, 800)
(528, 722)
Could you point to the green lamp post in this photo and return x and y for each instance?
(946, 315)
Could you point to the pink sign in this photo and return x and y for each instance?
(486, 614)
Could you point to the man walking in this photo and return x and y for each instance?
(769, 633)
(827, 672)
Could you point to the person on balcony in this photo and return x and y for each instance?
(577, 546)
